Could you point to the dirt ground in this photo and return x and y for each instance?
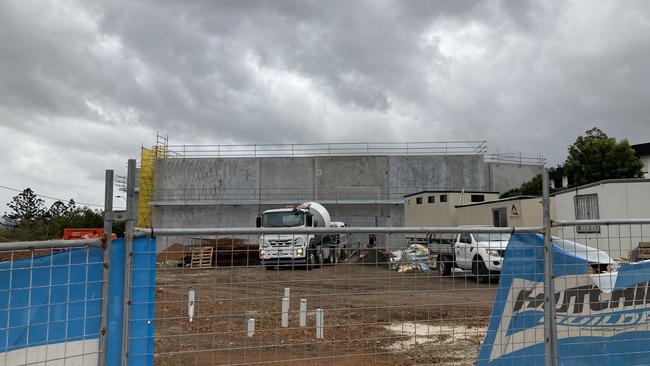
(373, 316)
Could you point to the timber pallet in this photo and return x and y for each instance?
(643, 252)
(202, 257)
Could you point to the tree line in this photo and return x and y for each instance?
(29, 218)
(592, 158)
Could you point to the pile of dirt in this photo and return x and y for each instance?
(227, 252)
(174, 252)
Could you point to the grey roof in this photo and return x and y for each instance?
(602, 182)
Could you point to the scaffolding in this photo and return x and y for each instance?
(148, 159)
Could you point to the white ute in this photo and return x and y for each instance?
(480, 253)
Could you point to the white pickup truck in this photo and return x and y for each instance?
(477, 252)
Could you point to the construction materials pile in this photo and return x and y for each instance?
(210, 253)
(415, 258)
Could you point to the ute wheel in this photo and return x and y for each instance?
(443, 264)
(479, 270)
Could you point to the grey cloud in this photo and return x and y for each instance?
(524, 75)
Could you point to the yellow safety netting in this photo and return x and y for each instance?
(147, 174)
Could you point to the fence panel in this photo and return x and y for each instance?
(602, 306)
(224, 299)
(51, 296)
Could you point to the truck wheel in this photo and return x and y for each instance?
(332, 256)
(311, 259)
(443, 264)
(479, 270)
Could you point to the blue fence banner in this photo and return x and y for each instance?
(50, 308)
(115, 304)
(143, 297)
(602, 308)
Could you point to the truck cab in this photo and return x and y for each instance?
(293, 249)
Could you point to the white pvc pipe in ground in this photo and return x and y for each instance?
(285, 312)
(320, 323)
(303, 312)
(251, 327)
(191, 296)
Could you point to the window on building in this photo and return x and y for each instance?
(586, 206)
(418, 200)
(431, 199)
(443, 198)
(500, 217)
(478, 198)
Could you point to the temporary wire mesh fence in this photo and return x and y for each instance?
(433, 296)
(246, 299)
(51, 296)
(602, 302)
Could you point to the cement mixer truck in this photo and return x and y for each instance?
(310, 250)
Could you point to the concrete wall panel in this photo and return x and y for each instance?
(410, 174)
(502, 177)
(350, 177)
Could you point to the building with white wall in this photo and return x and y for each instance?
(608, 199)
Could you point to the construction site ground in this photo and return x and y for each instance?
(373, 315)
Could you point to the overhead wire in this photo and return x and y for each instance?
(53, 198)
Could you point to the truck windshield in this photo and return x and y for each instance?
(283, 219)
(491, 237)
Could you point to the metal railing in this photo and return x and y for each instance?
(329, 149)
(352, 149)
(514, 158)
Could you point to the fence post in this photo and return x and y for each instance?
(108, 232)
(128, 256)
(550, 329)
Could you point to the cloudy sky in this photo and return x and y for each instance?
(84, 84)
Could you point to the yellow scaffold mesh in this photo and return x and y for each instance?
(147, 174)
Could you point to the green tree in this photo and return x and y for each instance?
(74, 217)
(26, 209)
(29, 219)
(596, 157)
(531, 188)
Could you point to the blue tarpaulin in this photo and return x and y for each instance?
(143, 297)
(49, 300)
(50, 306)
(602, 318)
